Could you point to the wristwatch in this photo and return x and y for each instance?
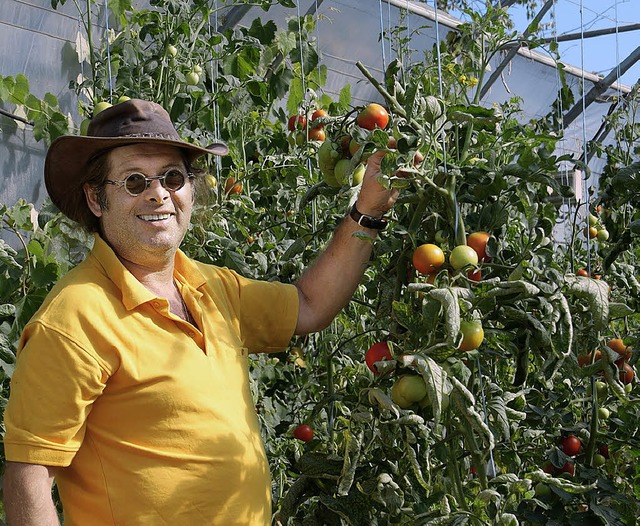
(376, 223)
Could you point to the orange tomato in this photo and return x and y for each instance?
(428, 258)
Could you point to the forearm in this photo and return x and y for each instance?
(328, 284)
(27, 495)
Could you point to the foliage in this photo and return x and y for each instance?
(483, 447)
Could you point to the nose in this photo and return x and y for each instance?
(156, 192)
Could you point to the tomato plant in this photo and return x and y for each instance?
(461, 167)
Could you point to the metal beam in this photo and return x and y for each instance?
(514, 50)
(505, 3)
(15, 117)
(236, 14)
(590, 34)
(605, 127)
(600, 87)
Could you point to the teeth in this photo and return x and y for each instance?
(154, 217)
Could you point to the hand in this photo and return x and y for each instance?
(374, 199)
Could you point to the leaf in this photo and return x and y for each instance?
(596, 293)
(82, 48)
(320, 465)
(564, 484)
(6, 310)
(435, 379)
(353, 447)
(353, 508)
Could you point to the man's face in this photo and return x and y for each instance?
(148, 228)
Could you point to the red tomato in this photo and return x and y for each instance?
(627, 373)
(603, 449)
(571, 445)
(317, 134)
(478, 242)
(568, 468)
(376, 353)
(582, 272)
(297, 122)
(475, 275)
(303, 432)
(372, 117)
(618, 346)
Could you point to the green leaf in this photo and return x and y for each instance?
(20, 90)
(296, 96)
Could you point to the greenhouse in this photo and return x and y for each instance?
(403, 288)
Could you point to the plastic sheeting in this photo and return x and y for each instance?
(40, 43)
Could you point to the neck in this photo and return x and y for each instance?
(157, 278)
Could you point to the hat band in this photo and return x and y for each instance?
(149, 135)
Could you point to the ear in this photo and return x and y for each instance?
(92, 199)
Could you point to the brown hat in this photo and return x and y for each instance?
(131, 122)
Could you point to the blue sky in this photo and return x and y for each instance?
(599, 54)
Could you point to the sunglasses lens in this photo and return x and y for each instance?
(174, 180)
(135, 183)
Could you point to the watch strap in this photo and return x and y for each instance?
(375, 223)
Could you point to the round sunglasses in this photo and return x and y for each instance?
(135, 183)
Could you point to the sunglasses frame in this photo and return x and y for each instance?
(148, 180)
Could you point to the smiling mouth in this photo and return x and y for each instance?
(154, 217)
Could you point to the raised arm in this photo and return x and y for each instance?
(328, 284)
(27, 495)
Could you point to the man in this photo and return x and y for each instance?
(131, 387)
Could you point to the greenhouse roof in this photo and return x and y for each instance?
(347, 31)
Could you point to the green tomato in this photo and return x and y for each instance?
(197, 69)
(602, 235)
(123, 98)
(602, 390)
(101, 106)
(463, 256)
(472, 335)
(604, 413)
(84, 126)
(599, 460)
(172, 50)
(408, 389)
(542, 490)
(593, 220)
(192, 78)
(341, 171)
(358, 175)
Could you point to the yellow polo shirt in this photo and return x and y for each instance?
(152, 417)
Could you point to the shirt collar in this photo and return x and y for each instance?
(133, 292)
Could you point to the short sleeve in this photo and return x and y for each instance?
(53, 387)
(268, 314)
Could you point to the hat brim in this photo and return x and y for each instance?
(65, 168)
